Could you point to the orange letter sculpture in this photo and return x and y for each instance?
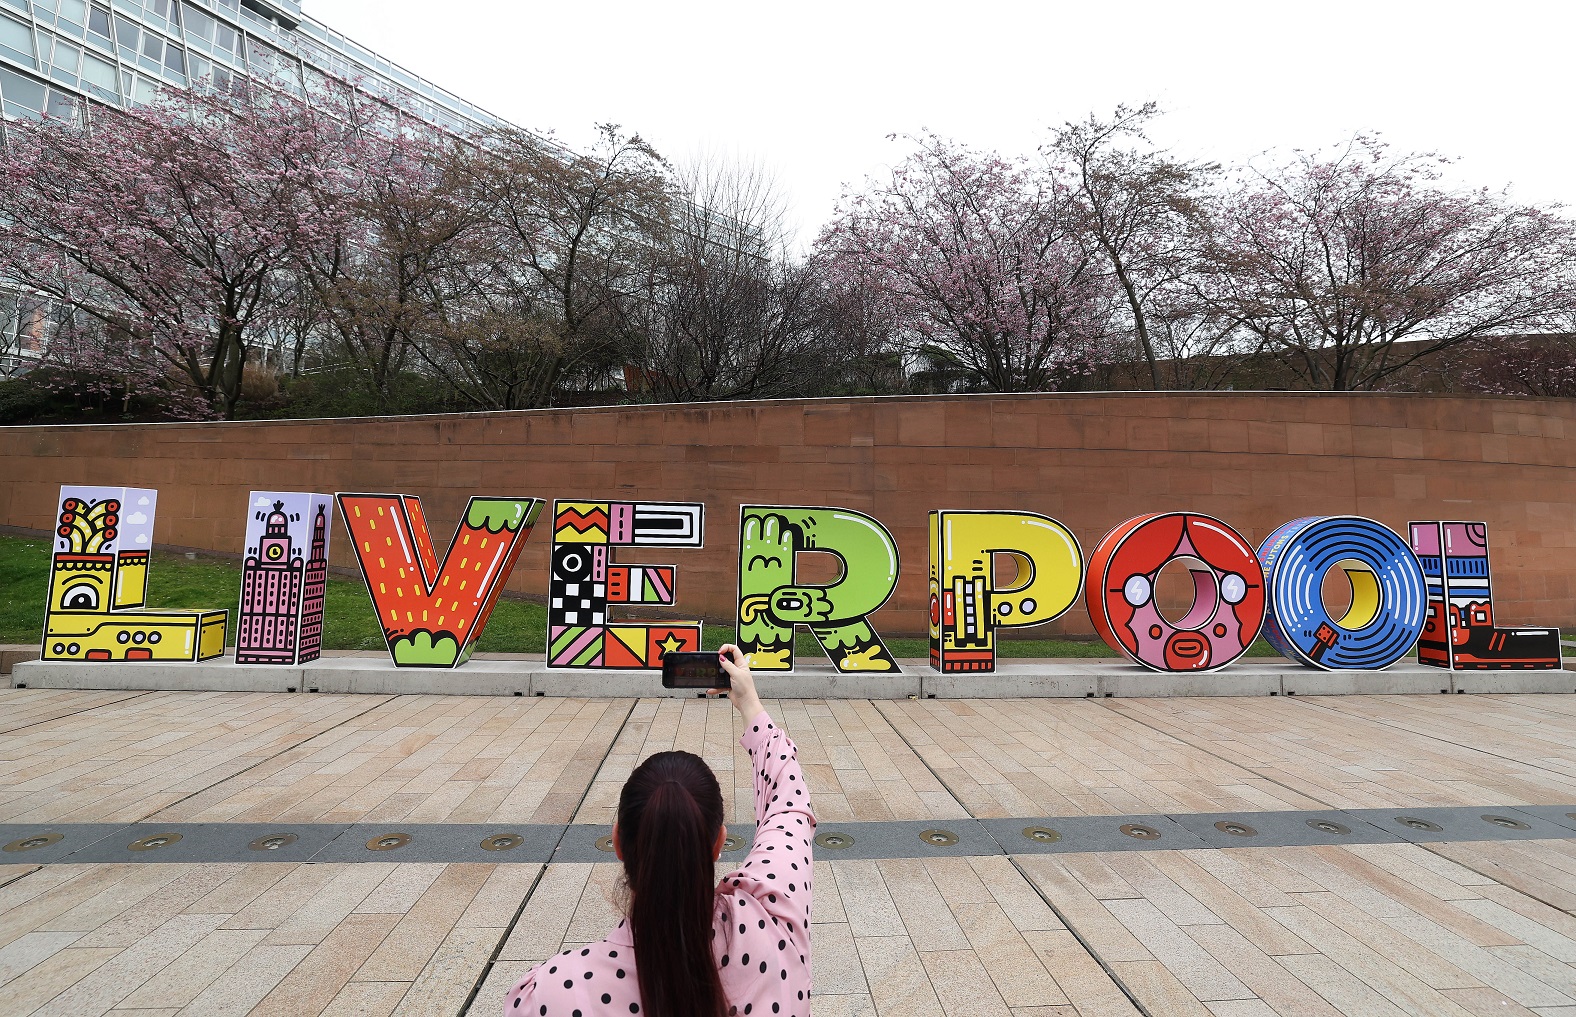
(432, 615)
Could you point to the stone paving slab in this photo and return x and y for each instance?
(1285, 829)
(1091, 833)
(166, 843)
(1052, 757)
(1559, 815)
(50, 842)
(1421, 826)
(1202, 921)
(125, 761)
(21, 708)
(427, 759)
(1331, 758)
(495, 844)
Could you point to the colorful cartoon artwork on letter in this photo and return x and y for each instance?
(966, 608)
(99, 584)
(432, 615)
(586, 584)
(772, 603)
(1454, 557)
(1228, 592)
(1387, 593)
(283, 578)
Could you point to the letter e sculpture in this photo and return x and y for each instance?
(585, 583)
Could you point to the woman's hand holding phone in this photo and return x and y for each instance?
(743, 694)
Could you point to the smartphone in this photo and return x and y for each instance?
(696, 669)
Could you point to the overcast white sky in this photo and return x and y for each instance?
(811, 89)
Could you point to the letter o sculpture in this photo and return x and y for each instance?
(1228, 599)
(1389, 594)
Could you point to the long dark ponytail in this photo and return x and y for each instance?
(669, 815)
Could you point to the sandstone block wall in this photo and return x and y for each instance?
(1090, 460)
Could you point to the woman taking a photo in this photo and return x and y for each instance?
(692, 947)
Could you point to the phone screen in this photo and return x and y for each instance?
(693, 670)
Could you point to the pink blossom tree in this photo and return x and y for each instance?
(1537, 365)
(386, 237)
(164, 225)
(984, 264)
(1356, 265)
(1146, 213)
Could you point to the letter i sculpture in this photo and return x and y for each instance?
(283, 578)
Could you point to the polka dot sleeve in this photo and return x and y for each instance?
(777, 872)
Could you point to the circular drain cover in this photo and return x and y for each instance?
(1236, 829)
(502, 842)
(1506, 822)
(38, 841)
(938, 838)
(1414, 823)
(1329, 826)
(388, 842)
(273, 842)
(154, 842)
(1139, 831)
(605, 843)
(1042, 834)
(732, 843)
(835, 841)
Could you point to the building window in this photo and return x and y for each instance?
(66, 62)
(22, 96)
(145, 91)
(199, 24)
(126, 36)
(152, 52)
(175, 59)
(98, 27)
(98, 77)
(73, 15)
(62, 106)
(16, 41)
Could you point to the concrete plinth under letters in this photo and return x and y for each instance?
(1067, 679)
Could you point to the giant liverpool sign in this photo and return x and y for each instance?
(1430, 589)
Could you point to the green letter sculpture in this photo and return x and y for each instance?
(772, 603)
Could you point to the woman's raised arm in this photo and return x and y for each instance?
(777, 871)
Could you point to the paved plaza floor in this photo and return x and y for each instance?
(234, 853)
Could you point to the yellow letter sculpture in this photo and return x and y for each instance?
(103, 536)
(966, 608)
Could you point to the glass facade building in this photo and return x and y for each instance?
(56, 53)
(61, 57)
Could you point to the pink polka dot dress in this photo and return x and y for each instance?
(761, 926)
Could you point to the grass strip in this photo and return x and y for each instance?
(516, 626)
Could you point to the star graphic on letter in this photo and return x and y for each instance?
(668, 645)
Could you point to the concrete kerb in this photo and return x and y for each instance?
(12, 654)
(528, 675)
